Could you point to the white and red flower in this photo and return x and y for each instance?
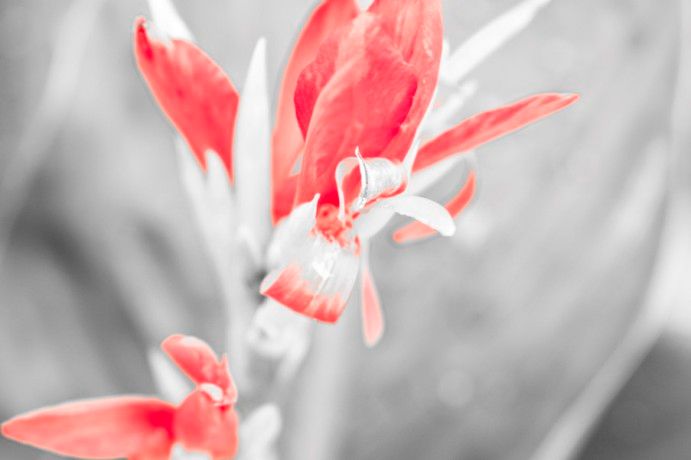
(346, 144)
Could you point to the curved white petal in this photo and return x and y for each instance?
(168, 21)
(489, 39)
(211, 199)
(409, 160)
(299, 223)
(252, 151)
(372, 221)
(191, 174)
(212, 204)
(378, 177)
(423, 210)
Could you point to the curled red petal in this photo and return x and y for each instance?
(199, 362)
(99, 428)
(193, 91)
(362, 105)
(203, 424)
(417, 230)
(490, 125)
(416, 28)
(288, 139)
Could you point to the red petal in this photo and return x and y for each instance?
(192, 90)
(294, 288)
(284, 198)
(201, 424)
(314, 78)
(372, 316)
(287, 137)
(362, 105)
(98, 429)
(199, 362)
(417, 30)
(417, 230)
(488, 126)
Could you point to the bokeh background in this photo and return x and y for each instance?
(555, 324)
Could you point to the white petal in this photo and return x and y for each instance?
(299, 223)
(378, 177)
(252, 150)
(372, 221)
(168, 21)
(191, 175)
(218, 189)
(411, 156)
(423, 210)
(212, 203)
(219, 211)
(489, 39)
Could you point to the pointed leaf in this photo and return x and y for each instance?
(490, 125)
(489, 39)
(192, 90)
(252, 150)
(99, 428)
(167, 19)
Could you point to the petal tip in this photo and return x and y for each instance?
(171, 341)
(373, 341)
(6, 429)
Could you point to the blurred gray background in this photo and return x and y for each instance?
(541, 330)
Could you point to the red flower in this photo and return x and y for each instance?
(140, 428)
(356, 89)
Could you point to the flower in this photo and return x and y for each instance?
(142, 428)
(347, 147)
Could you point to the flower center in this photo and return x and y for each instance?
(331, 227)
